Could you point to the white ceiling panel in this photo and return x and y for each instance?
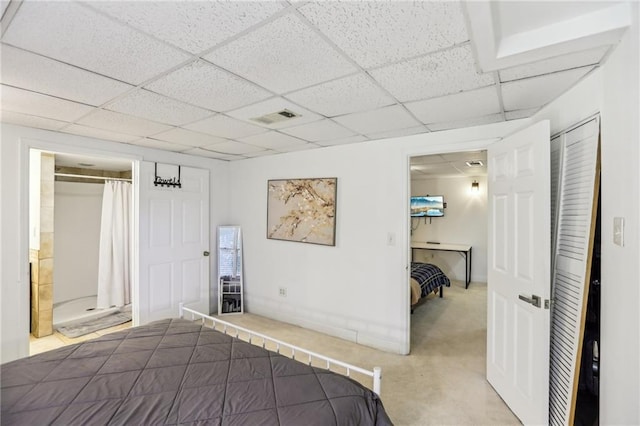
(166, 146)
(437, 74)
(99, 163)
(145, 104)
(344, 96)
(202, 84)
(260, 153)
(3, 6)
(272, 140)
(215, 155)
(469, 122)
(559, 63)
(345, 141)
(79, 36)
(461, 157)
(225, 127)
(520, 113)
(92, 132)
(282, 56)
(188, 137)
(319, 130)
(121, 123)
(459, 106)
(426, 159)
(189, 24)
(538, 91)
(233, 147)
(292, 148)
(399, 132)
(31, 103)
(30, 120)
(376, 33)
(380, 120)
(274, 105)
(39, 74)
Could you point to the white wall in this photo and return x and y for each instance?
(77, 217)
(464, 222)
(14, 214)
(614, 91)
(358, 289)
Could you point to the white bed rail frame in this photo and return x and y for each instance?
(375, 374)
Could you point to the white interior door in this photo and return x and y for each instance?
(174, 236)
(519, 272)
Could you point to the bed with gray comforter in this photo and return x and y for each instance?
(178, 372)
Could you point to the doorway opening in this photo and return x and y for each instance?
(67, 234)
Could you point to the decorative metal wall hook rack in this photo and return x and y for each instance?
(169, 182)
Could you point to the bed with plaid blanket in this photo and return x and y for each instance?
(429, 278)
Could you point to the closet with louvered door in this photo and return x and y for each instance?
(575, 308)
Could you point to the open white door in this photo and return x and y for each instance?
(518, 287)
(174, 244)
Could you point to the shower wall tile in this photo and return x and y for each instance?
(45, 298)
(45, 275)
(46, 219)
(34, 300)
(46, 245)
(47, 193)
(45, 324)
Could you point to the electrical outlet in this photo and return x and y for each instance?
(282, 291)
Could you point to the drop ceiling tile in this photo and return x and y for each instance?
(121, 123)
(189, 25)
(39, 74)
(202, 84)
(469, 122)
(233, 147)
(520, 113)
(3, 6)
(188, 137)
(92, 132)
(426, 159)
(75, 34)
(274, 105)
(376, 33)
(145, 104)
(559, 63)
(283, 55)
(399, 132)
(31, 120)
(260, 153)
(461, 157)
(31, 103)
(459, 106)
(215, 155)
(317, 131)
(292, 148)
(165, 146)
(538, 91)
(345, 141)
(225, 127)
(344, 96)
(379, 120)
(272, 140)
(437, 74)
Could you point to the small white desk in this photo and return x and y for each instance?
(463, 249)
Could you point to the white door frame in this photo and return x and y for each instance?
(472, 145)
(26, 145)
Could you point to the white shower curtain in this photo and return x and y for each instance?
(114, 274)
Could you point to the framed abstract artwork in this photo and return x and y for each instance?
(302, 210)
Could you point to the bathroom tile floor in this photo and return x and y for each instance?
(58, 340)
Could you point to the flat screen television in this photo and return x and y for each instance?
(427, 206)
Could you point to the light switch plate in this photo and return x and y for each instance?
(618, 231)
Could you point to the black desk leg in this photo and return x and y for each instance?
(469, 268)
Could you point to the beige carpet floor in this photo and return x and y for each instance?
(442, 381)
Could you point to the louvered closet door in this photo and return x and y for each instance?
(577, 205)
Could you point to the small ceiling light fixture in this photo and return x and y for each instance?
(475, 187)
(474, 163)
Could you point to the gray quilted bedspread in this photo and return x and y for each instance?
(177, 372)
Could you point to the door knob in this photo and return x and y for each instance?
(534, 300)
(205, 253)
